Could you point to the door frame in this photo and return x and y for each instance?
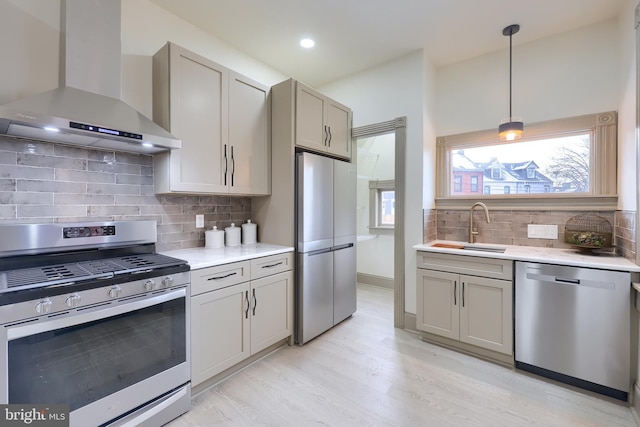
(399, 127)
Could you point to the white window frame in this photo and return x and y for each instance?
(376, 187)
(473, 183)
(603, 186)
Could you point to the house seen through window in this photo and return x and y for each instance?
(555, 165)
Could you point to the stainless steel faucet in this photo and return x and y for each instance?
(472, 234)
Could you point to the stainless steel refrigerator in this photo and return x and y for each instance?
(326, 244)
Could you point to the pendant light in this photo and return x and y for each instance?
(512, 127)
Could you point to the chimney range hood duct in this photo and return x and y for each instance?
(86, 110)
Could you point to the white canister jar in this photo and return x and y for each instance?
(214, 239)
(232, 235)
(249, 233)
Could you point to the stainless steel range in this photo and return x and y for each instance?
(93, 318)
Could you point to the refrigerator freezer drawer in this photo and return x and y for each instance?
(314, 313)
(344, 288)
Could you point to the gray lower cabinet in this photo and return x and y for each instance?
(466, 299)
(237, 310)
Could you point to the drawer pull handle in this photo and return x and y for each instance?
(223, 277)
(272, 265)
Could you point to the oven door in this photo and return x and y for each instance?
(103, 361)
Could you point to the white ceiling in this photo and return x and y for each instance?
(353, 35)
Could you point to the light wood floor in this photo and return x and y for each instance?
(364, 372)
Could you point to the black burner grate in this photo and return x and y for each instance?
(82, 271)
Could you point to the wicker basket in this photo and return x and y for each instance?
(588, 232)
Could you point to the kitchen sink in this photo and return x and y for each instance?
(482, 248)
(470, 247)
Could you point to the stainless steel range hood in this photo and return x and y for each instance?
(76, 113)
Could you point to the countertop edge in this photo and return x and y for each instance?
(201, 257)
(568, 257)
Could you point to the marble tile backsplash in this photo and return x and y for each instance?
(510, 227)
(43, 182)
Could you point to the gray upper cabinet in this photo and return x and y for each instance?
(221, 118)
(322, 124)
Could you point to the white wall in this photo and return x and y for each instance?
(627, 173)
(393, 90)
(29, 31)
(570, 74)
(33, 29)
(147, 27)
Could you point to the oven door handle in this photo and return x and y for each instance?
(91, 314)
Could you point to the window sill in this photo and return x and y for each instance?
(383, 231)
(532, 202)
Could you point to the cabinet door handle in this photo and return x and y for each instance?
(222, 277)
(233, 166)
(463, 294)
(455, 292)
(272, 265)
(246, 299)
(255, 302)
(329, 132)
(225, 164)
(326, 135)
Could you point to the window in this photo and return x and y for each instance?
(382, 204)
(457, 184)
(531, 171)
(567, 162)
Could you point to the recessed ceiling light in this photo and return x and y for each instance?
(307, 43)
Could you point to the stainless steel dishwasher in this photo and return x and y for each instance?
(572, 324)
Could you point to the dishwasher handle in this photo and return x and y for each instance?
(565, 281)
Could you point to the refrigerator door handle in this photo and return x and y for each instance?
(345, 246)
(319, 252)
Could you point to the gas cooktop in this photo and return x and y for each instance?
(70, 273)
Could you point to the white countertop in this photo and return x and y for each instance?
(539, 254)
(203, 257)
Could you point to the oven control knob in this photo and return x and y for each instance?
(44, 306)
(167, 281)
(115, 292)
(150, 284)
(73, 300)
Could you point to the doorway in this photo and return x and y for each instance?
(375, 209)
(380, 152)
